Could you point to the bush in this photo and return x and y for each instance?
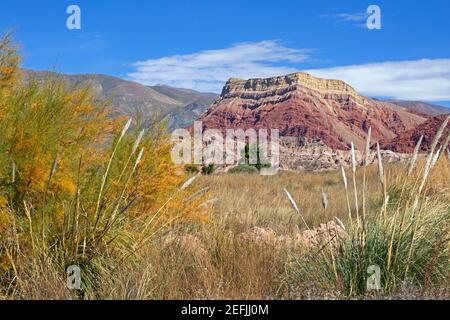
(406, 240)
(76, 185)
(243, 168)
(191, 169)
(417, 254)
(261, 162)
(208, 169)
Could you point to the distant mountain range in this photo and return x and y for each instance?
(180, 107)
(422, 107)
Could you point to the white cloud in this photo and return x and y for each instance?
(352, 17)
(357, 19)
(209, 70)
(424, 79)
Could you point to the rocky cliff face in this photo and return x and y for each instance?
(300, 105)
(238, 86)
(298, 154)
(406, 141)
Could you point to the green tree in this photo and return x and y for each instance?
(261, 161)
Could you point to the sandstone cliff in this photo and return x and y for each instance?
(300, 105)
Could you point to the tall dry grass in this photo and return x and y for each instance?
(406, 241)
(81, 187)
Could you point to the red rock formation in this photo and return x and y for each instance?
(406, 141)
(302, 105)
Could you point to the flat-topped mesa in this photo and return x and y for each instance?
(238, 86)
(300, 105)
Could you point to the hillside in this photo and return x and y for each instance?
(421, 107)
(179, 106)
(300, 105)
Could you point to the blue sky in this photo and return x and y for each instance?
(199, 44)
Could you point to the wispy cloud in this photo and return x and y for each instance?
(356, 19)
(426, 79)
(208, 70)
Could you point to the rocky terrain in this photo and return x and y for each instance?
(319, 118)
(406, 141)
(298, 155)
(301, 105)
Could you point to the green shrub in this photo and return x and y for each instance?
(208, 169)
(418, 254)
(191, 169)
(261, 161)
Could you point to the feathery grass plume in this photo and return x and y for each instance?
(366, 162)
(105, 175)
(125, 128)
(426, 170)
(291, 200)
(13, 172)
(133, 151)
(353, 155)
(447, 141)
(324, 200)
(382, 178)
(435, 158)
(448, 154)
(439, 133)
(188, 183)
(354, 181)
(431, 155)
(436, 141)
(385, 203)
(139, 158)
(340, 224)
(344, 178)
(380, 165)
(125, 187)
(138, 141)
(294, 206)
(445, 144)
(148, 223)
(413, 162)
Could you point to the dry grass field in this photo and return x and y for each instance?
(249, 247)
(79, 187)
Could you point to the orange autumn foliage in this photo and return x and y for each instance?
(69, 176)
